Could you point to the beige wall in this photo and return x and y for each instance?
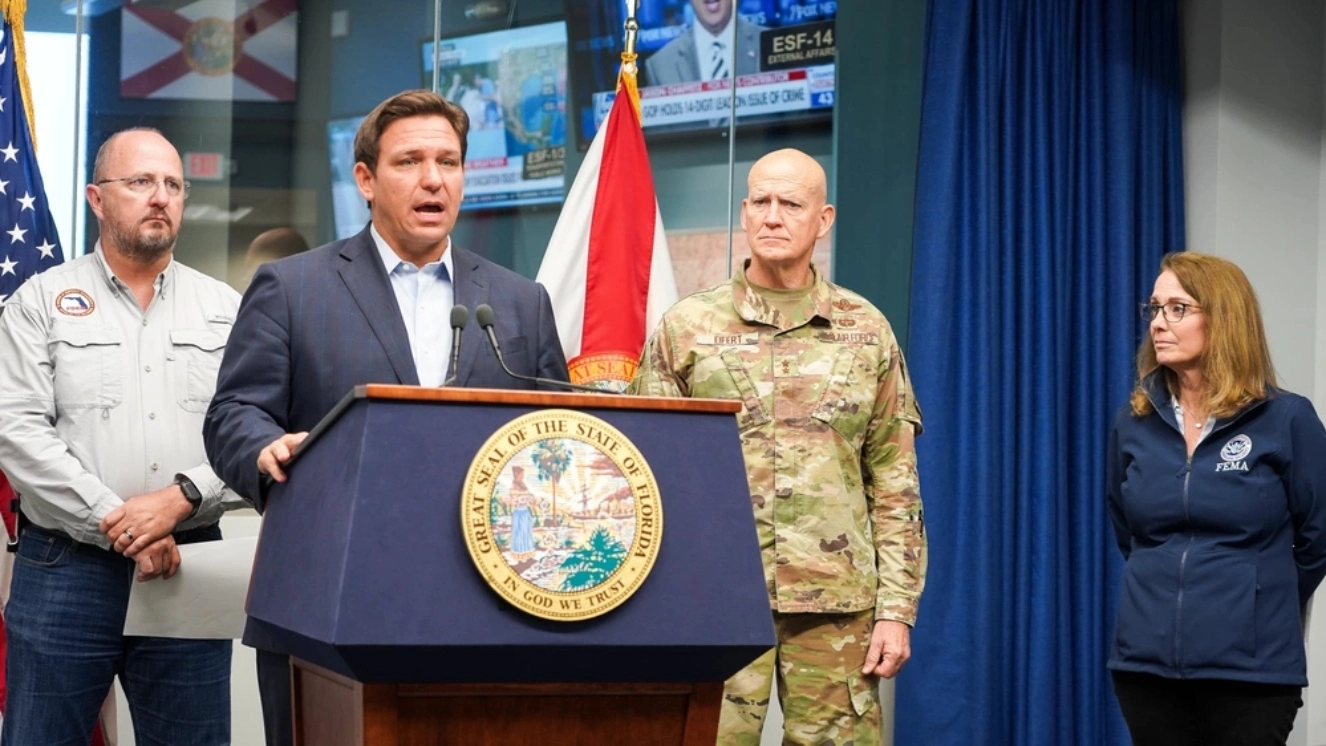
(1256, 194)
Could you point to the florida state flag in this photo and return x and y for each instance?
(230, 50)
(607, 267)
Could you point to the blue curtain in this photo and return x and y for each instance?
(1049, 185)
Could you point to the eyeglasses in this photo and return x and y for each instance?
(1174, 310)
(144, 185)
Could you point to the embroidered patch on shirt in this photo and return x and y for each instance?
(851, 338)
(1234, 453)
(75, 302)
(727, 340)
(1237, 448)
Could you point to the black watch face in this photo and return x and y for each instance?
(191, 492)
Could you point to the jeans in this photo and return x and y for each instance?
(65, 622)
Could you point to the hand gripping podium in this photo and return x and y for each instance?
(363, 575)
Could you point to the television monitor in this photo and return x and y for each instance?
(512, 83)
(349, 209)
(784, 62)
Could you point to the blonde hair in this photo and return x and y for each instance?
(1236, 364)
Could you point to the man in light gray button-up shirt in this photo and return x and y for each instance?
(107, 366)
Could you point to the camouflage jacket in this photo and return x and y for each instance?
(827, 427)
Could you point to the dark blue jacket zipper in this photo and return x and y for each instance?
(1183, 563)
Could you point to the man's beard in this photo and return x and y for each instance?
(139, 247)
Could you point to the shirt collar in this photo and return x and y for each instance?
(751, 307)
(1183, 422)
(391, 260)
(704, 40)
(162, 284)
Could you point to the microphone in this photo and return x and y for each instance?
(484, 315)
(460, 316)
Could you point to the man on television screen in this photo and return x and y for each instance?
(704, 52)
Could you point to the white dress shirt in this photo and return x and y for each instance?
(705, 46)
(425, 297)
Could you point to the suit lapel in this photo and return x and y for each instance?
(688, 64)
(678, 61)
(471, 290)
(748, 48)
(367, 281)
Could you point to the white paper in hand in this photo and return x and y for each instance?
(205, 599)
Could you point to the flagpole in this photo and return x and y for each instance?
(74, 247)
(632, 25)
(437, 45)
(731, 139)
(628, 73)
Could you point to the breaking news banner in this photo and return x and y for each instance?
(794, 77)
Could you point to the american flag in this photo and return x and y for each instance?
(28, 241)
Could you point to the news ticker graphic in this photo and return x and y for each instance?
(777, 92)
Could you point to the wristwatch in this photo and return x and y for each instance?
(191, 493)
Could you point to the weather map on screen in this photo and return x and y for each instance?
(349, 209)
(512, 83)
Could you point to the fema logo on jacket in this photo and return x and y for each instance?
(1235, 453)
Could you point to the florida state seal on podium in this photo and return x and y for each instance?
(475, 566)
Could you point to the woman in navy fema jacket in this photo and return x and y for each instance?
(1217, 490)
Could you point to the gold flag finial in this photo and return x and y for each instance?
(13, 11)
(627, 75)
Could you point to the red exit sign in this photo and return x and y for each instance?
(204, 166)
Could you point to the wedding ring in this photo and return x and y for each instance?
(129, 534)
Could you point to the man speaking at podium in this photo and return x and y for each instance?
(827, 427)
(374, 308)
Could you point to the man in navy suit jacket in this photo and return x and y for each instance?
(374, 308)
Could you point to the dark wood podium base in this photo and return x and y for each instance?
(332, 710)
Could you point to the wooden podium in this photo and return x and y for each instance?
(362, 575)
(332, 709)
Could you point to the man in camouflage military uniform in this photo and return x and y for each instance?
(827, 428)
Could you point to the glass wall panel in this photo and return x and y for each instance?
(781, 54)
(57, 73)
(263, 97)
(787, 98)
